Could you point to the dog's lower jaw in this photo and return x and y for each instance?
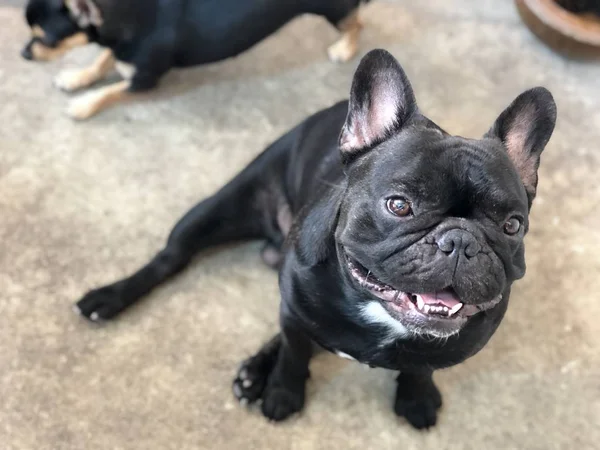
(40, 52)
(436, 315)
(374, 312)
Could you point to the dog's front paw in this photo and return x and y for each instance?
(101, 304)
(258, 379)
(84, 106)
(70, 80)
(251, 379)
(342, 51)
(280, 402)
(417, 400)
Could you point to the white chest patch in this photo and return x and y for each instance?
(375, 313)
(344, 355)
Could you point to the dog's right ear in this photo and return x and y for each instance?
(381, 101)
(85, 12)
(524, 128)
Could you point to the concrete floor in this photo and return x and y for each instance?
(84, 203)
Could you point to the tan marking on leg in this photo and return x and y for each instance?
(72, 79)
(90, 103)
(37, 31)
(42, 53)
(346, 47)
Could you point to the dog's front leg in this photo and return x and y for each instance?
(73, 79)
(346, 47)
(417, 399)
(90, 103)
(285, 390)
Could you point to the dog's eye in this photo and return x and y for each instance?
(399, 206)
(512, 226)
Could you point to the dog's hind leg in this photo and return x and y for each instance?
(73, 79)
(234, 213)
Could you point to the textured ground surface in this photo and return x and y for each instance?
(82, 204)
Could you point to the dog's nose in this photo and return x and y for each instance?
(459, 242)
(26, 52)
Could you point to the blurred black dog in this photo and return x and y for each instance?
(397, 243)
(146, 38)
(581, 6)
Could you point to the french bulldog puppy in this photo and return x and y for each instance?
(396, 242)
(144, 39)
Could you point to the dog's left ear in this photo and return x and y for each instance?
(381, 101)
(85, 12)
(525, 128)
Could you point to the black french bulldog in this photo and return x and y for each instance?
(397, 242)
(146, 38)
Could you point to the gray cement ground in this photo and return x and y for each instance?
(84, 203)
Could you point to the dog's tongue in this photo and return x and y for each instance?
(446, 298)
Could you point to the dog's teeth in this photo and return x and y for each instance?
(420, 302)
(426, 309)
(455, 309)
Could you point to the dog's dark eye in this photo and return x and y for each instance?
(512, 226)
(399, 206)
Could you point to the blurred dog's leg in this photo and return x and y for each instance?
(73, 79)
(90, 103)
(346, 47)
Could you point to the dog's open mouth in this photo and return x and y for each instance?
(444, 305)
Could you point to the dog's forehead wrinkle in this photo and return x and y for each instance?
(484, 174)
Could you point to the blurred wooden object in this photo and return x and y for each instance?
(573, 35)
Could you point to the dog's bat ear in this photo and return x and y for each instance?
(85, 12)
(381, 101)
(524, 129)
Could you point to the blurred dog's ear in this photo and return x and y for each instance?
(85, 12)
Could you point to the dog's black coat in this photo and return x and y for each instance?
(461, 191)
(157, 35)
(581, 6)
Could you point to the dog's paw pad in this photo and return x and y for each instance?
(100, 304)
(342, 51)
(70, 80)
(279, 403)
(250, 381)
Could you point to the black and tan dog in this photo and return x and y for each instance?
(397, 242)
(143, 39)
